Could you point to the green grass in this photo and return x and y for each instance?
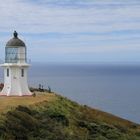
(7, 103)
(52, 117)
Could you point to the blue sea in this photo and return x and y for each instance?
(113, 88)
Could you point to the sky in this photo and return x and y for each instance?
(88, 31)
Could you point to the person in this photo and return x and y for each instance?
(49, 89)
(34, 94)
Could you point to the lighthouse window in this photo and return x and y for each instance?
(22, 72)
(7, 72)
(11, 55)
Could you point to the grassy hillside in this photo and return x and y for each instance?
(52, 117)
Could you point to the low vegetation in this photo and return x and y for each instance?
(57, 118)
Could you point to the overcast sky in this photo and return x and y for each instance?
(74, 30)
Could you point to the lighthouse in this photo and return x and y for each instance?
(15, 68)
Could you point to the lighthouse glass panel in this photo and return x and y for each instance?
(11, 55)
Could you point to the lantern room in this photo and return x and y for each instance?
(15, 50)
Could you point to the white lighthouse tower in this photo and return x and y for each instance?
(15, 68)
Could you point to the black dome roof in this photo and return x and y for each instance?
(15, 41)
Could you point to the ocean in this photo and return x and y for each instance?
(111, 88)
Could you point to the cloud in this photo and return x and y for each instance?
(59, 23)
(24, 15)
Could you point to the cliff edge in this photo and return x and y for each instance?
(49, 116)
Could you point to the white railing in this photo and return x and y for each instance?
(14, 61)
